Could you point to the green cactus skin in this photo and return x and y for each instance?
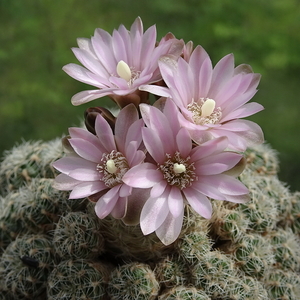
(248, 288)
(262, 159)
(78, 279)
(25, 265)
(254, 255)
(184, 293)
(172, 271)
(11, 223)
(26, 161)
(282, 285)
(133, 281)
(193, 246)
(262, 210)
(286, 249)
(213, 272)
(77, 235)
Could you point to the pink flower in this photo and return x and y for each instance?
(119, 64)
(180, 173)
(212, 101)
(98, 162)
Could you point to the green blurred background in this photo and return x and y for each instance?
(36, 37)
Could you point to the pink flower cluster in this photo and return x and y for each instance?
(150, 161)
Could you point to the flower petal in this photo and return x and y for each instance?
(154, 213)
(87, 188)
(170, 230)
(175, 201)
(198, 202)
(145, 175)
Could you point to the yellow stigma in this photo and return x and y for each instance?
(179, 168)
(111, 167)
(123, 70)
(207, 108)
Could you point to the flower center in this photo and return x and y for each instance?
(178, 171)
(113, 166)
(127, 73)
(204, 111)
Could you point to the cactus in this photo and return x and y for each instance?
(25, 265)
(77, 235)
(78, 279)
(56, 248)
(133, 281)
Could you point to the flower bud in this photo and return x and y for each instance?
(91, 114)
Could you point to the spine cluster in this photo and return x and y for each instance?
(54, 248)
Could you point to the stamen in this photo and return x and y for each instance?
(111, 167)
(123, 70)
(204, 111)
(207, 108)
(179, 168)
(178, 171)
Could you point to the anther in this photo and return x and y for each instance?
(123, 70)
(207, 108)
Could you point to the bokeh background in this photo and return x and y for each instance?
(36, 37)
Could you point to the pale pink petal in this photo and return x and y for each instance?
(198, 202)
(222, 72)
(83, 134)
(86, 150)
(206, 186)
(169, 231)
(237, 198)
(153, 144)
(120, 208)
(106, 203)
(69, 164)
(64, 182)
(229, 185)
(154, 213)
(184, 142)
(83, 75)
(175, 201)
(158, 189)
(209, 148)
(104, 133)
(87, 96)
(86, 188)
(91, 64)
(156, 90)
(218, 163)
(125, 190)
(246, 110)
(145, 175)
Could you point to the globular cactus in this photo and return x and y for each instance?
(262, 159)
(244, 252)
(172, 271)
(184, 293)
(78, 279)
(133, 281)
(253, 254)
(25, 266)
(213, 273)
(27, 161)
(282, 285)
(77, 235)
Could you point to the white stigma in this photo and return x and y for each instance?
(207, 108)
(124, 71)
(179, 168)
(111, 167)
